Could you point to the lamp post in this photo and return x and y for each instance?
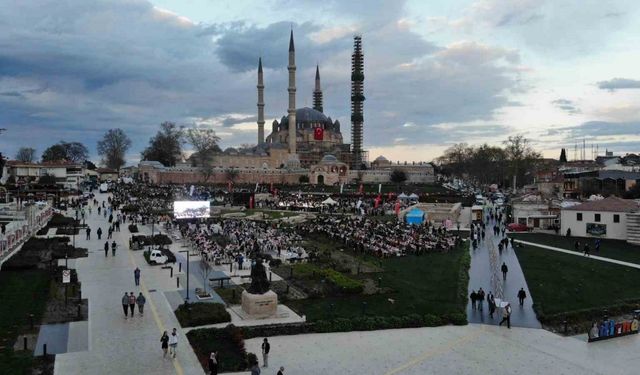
(187, 251)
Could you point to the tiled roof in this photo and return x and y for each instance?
(610, 204)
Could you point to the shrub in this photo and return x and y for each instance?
(133, 228)
(228, 342)
(201, 313)
(59, 220)
(67, 231)
(344, 283)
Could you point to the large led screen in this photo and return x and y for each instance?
(191, 209)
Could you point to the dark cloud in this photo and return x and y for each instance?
(619, 84)
(566, 105)
(594, 129)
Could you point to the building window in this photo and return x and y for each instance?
(596, 218)
(579, 216)
(616, 218)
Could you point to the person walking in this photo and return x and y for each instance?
(255, 369)
(113, 248)
(125, 304)
(506, 315)
(173, 343)
(141, 301)
(265, 352)
(136, 276)
(213, 363)
(106, 249)
(164, 340)
(88, 231)
(473, 296)
(521, 296)
(132, 303)
(597, 245)
(480, 298)
(99, 233)
(109, 233)
(586, 250)
(281, 371)
(491, 302)
(504, 270)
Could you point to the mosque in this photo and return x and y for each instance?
(305, 142)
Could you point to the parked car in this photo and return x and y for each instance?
(517, 227)
(157, 257)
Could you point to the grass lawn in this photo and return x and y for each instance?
(614, 249)
(562, 283)
(22, 293)
(426, 284)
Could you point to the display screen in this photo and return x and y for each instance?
(191, 209)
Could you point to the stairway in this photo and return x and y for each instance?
(633, 228)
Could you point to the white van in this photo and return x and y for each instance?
(104, 187)
(157, 257)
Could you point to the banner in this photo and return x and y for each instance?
(191, 190)
(341, 187)
(256, 189)
(379, 188)
(318, 134)
(251, 202)
(361, 189)
(397, 208)
(376, 203)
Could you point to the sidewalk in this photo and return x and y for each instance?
(118, 345)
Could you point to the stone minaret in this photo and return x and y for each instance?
(317, 92)
(292, 96)
(260, 104)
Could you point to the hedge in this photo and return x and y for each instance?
(463, 279)
(58, 220)
(581, 320)
(202, 313)
(342, 282)
(227, 342)
(133, 228)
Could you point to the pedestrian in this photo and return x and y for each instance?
(165, 343)
(125, 304)
(113, 248)
(480, 298)
(492, 304)
(99, 233)
(106, 249)
(132, 303)
(136, 276)
(506, 315)
(576, 246)
(255, 369)
(598, 241)
(521, 296)
(281, 371)
(265, 352)
(213, 363)
(173, 343)
(98, 210)
(88, 233)
(504, 270)
(586, 250)
(141, 301)
(109, 233)
(473, 296)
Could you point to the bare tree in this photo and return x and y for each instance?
(26, 154)
(205, 143)
(113, 148)
(521, 156)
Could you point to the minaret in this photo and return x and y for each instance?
(357, 97)
(292, 96)
(260, 103)
(317, 92)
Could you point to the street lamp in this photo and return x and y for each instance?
(187, 251)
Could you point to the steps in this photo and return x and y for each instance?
(633, 228)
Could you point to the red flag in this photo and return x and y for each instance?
(361, 189)
(271, 188)
(318, 134)
(251, 202)
(397, 208)
(377, 201)
(229, 186)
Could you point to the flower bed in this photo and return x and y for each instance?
(201, 313)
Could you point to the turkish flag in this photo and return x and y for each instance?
(377, 201)
(251, 202)
(318, 134)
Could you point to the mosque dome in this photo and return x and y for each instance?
(329, 159)
(381, 159)
(306, 118)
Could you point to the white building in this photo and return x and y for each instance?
(67, 174)
(606, 218)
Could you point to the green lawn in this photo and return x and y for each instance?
(561, 283)
(21, 293)
(614, 249)
(425, 284)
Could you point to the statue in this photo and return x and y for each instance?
(259, 280)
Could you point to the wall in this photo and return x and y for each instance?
(568, 219)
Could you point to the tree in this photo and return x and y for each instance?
(113, 147)
(521, 157)
(563, 156)
(205, 142)
(231, 174)
(166, 146)
(47, 180)
(26, 154)
(70, 151)
(56, 152)
(398, 176)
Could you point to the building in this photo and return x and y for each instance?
(68, 175)
(605, 218)
(106, 174)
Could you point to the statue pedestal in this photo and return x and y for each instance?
(260, 305)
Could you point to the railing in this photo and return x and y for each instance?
(18, 232)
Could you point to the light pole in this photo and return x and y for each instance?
(187, 251)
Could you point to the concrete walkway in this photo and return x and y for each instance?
(480, 276)
(603, 259)
(118, 345)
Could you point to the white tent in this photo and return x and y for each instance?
(413, 196)
(329, 201)
(403, 196)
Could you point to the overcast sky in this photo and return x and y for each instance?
(436, 72)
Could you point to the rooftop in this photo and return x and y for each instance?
(610, 204)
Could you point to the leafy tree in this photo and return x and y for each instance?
(113, 147)
(231, 174)
(70, 151)
(26, 154)
(205, 142)
(54, 153)
(563, 156)
(89, 165)
(166, 146)
(398, 176)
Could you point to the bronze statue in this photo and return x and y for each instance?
(259, 280)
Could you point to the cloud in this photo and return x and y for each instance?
(619, 84)
(566, 105)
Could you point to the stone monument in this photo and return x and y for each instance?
(259, 301)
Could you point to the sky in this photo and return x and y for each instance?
(437, 72)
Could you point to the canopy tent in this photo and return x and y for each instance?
(415, 216)
(413, 196)
(329, 201)
(403, 196)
